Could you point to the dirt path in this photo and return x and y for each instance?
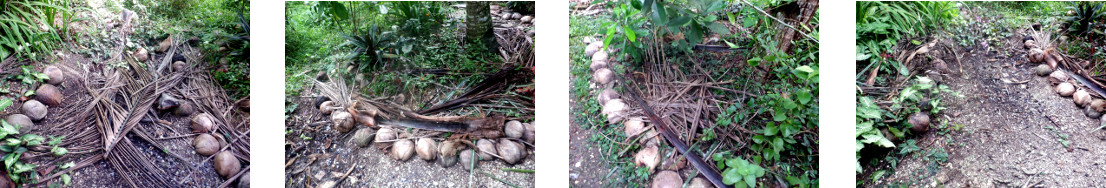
(587, 166)
(1012, 133)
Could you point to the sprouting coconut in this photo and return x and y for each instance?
(343, 121)
(1052, 58)
(514, 129)
(403, 149)
(634, 126)
(205, 144)
(447, 152)
(34, 109)
(1036, 55)
(363, 137)
(426, 148)
(486, 149)
(226, 164)
(467, 159)
(48, 94)
(529, 136)
(1057, 77)
(1081, 97)
(608, 94)
(384, 137)
(184, 109)
(1043, 70)
(1065, 89)
(509, 151)
(648, 157)
(203, 123)
(699, 182)
(55, 75)
(20, 120)
(615, 110)
(603, 76)
(244, 180)
(667, 179)
(919, 122)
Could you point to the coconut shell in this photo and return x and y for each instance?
(1043, 70)
(426, 148)
(1081, 97)
(1099, 105)
(226, 164)
(509, 151)
(608, 94)
(403, 149)
(203, 123)
(447, 152)
(56, 76)
(384, 137)
(205, 144)
(467, 159)
(1036, 55)
(142, 55)
(1065, 89)
(526, 19)
(343, 121)
(1051, 60)
(529, 136)
(615, 110)
(1090, 112)
(598, 64)
(24, 122)
(486, 148)
(505, 16)
(184, 109)
(699, 182)
(603, 76)
(34, 109)
(363, 137)
(634, 126)
(180, 66)
(1058, 77)
(919, 122)
(648, 157)
(592, 48)
(1030, 44)
(514, 129)
(244, 180)
(667, 179)
(601, 55)
(49, 94)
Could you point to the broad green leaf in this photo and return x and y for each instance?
(749, 21)
(804, 97)
(718, 28)
(5, 103)
(755, 61)
(630, 34)
(779, 116)
(770, 129)
(863, 127)
(751, 180)
(730, 176)
(680, 21)
(65, 179)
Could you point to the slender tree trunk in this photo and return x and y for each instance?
(478, 25)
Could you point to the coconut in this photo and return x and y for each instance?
(604, 76)
(509, 151)
(486, 149)
(529, 136)
(179, 66)
(222, 141)
(343, 121)
(516, 15)
(384, 137)
(592, 48)
(615, 110)
(447, 152)
(674, 163)
(1057, 77)
(648, 157)
(1043, 70)
(514, 129)
(598, 64)
(1051, 60)
(244, 180)
(1099, 105)
(698, 182)
(20, 120)
(466, 159)
(1081, 97)
(34, 109)
(167, 101)
(141, 54)
(184, 109)
(48, 94)
(1029, 44)
(403, 149)
(634, 126)
(363, 137)
(505, 16)
(56, 76)
(919, 122)
(527, 19)
(649, 137)
(328, 107)
(205, 144)
(1036, 55)
(164, 45)
(426, 148)
(203, 123)
(667, 179)
(607, 95)
(1065, 89)
(1091, 112)
(226, 164)
(601, 55)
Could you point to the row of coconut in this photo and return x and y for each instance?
(47, 95)
(617, 111)
(402, 146)
(507, 14)
(1062, 82)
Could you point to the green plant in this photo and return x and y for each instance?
(21, 32)
(738, 171)
(16, 143)
(923, 95)
(880, 25)
(29, 76)
(1087, 20)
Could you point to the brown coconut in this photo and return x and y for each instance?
(384, 137)
(676, 163)
(615, 110)
(514, 129)
(447, 152)
(184, 109)
(56, 76)
(203, 123)
(222, 141)
(205, 144)
(648, 157)
(516, 15)
(634, 126)
(467, 159)
(1030, 44)
(1081, 97)
(226, 164)
(363, 137)
(486, 149)
(244, 180)
(49, 94)
(141, 54)
(529, 136)
(426, 148)
(1036, 55)
(179, 66)
(403, 149)
(1043, 70)
(343, 121)
(608, 94)
(34, 109)
(1065, 89)
(164, 45)
(601, 55)
(592, 48)
(919, 122)
(526, 19)
(328, 107)
(21, 120)
(603, 76)
(699, 182)
(1099, 105)
(1052, 59)
(509, 151)
(1090, 112)
(667, 179)
(597, 64)
(1057, 77)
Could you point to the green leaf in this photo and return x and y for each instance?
(755, 61)
(751, 180)
(749, 21)
(68, 165)
(779, 116)
(777, 143)
(804, 97)
(730, 176)
(863, 127)
(770, 129)
(630, 34)
(65, 179)
(59, 151)
(718, 28)
(680, 21)
(5, 103)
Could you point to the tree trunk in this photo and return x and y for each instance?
(796, 16)
(478, 25)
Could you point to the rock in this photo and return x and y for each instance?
(667, 179)
(142, 55)
(615, 110)
(1043, 70)
(604, 76)
(514, 129)
(24, 122)
(363, 137)
(919, 122)
(226, 164)
(467, 159)
(1065, 89)
(1091, 112)
(634, 126)
(343, 121)
(34, 109)
(384, 137)
(1081, 97)
(205, 144)
(526, 19)
(426, 148)
(54, 74)
(509, 151)
(403, 149)
(203, 123)
(49, 94)
(648, 157)
(486, 149)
